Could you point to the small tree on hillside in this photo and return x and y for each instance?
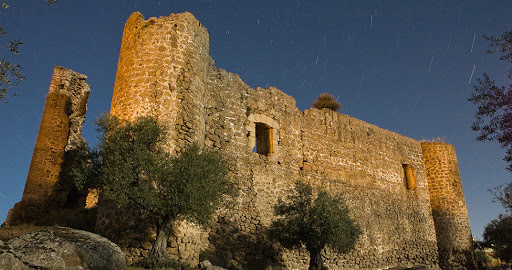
(131, 168)
(328, 101)
(493, 120)
(498, 235)
(314, 223)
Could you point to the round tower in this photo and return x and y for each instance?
(161, 72)
(454, 239)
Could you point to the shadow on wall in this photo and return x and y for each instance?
(450, 252)
(236, 249)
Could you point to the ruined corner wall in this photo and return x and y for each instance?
(448, 206)
(61, 124)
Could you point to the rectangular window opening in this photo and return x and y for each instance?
(410, 182)
(264, 139)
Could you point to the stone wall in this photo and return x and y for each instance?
(448, 206)
(328, 150)
(61, 124)
(161, 68)
(165, 70)
(405, 195)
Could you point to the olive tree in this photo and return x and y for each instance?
(131, 168)
(315, 222)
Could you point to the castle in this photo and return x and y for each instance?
(405, 195)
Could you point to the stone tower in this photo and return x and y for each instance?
(454, 239)
(61, 124)
(162, 67)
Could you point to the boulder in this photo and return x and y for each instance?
(207, 265)
(61, 248)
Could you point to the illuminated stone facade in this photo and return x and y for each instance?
(61, 127)
(165, 70)
(404, 194)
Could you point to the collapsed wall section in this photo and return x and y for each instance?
(60, 128)
(448, 206)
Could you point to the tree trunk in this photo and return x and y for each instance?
(159, 250)
(315, 259)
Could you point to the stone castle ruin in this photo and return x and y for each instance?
(60, 129)
(405, 195)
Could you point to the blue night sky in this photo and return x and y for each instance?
(405, 66)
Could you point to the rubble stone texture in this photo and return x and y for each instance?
(448, 206)
(405, 195)
(61, 124)
(165, 70)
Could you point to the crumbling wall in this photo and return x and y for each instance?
(448, 206)
(161, 72)
(61, 124)
(328, 150)
(165, 71)
(161, 69)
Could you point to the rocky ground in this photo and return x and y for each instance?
(38, 247)
(60, 248)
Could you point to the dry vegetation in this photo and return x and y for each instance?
(328, 101)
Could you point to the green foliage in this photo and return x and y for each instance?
(136, 172)
(314, 222)
(131, 168)
(494, 122)
(498, 235)
(481, 258)
(78, 168)
(328, 101)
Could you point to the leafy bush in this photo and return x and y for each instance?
(315, 223)
(328, 101)
(498, 235)
(131, 168)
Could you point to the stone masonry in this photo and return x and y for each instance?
(405, 195)
(390, 182)
(448, 206)
(61, 125)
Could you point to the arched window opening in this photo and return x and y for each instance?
(410, 182)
